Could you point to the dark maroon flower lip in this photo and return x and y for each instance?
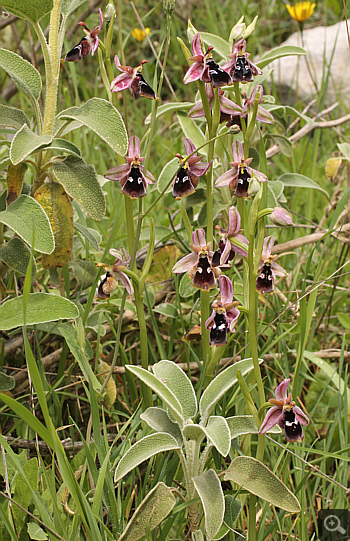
(268, 269)
(134, 186)
(191, 169)
(264, 281)
(185, 183)
(224, 316)
(239, 67)
(203, 276)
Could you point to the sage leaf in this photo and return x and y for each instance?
(169, 107)
(12, 117)
(180, 385)
(279, 52)
(7, 383)
(42, 307)
(219, 433)
(295, 180)
(32, 11)
(23, 74)
(254, 476)
(16, 254)
(24, 215)
(80, 182)
(221, 46)
(159, 420)
(166, 175)
(90, 234)
(245, 424)
(142, 450)
(26, 142)
(210, 492)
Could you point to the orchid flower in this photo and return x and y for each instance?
(131, 175)
(204, 68)
(132, 78)
(187, 177)
(88, 43)
(286, 414)
(227, 107)
(224, 315)
(240, 69)
(238, 178)
(268, 268)
(115, 273)
(262, 114)
(198, 264)
(227, 249)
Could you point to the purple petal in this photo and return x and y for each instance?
(121, 82)
(271, 419)
(229, 107)
(116, 253)
(198, 238)
(94, 45)
(231, 317)
(126, 282)
(197, 110)
(210, 320)
(134, 147)
(264, 116)
(234, 220)
(226, 289)
(229, 64)
(254, 172)
(225, 253)
(199, 169)
(193, 73)
(185, 264)
(226, 178)
(118, 173)
(267, 247)
(300, 416)
(277, 270)
(238, 249)
(189, 146)
(148, 176)
(237, 151)
(281, 392)
(197, 45)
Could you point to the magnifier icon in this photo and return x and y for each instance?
(332, 524)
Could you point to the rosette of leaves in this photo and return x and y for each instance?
(192, 430)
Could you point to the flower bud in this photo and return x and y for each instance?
(254, 186)
(281, 217)
(109, 12)
(169, 6)
(191, 31)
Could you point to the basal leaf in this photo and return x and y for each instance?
(166, 309)
(233, 507)
(210, 492)
(16, 254)
(279, 52)
(154, 508)
(254, 476)
(42, 307)
(80, 182)
(68, 6)
(166, 175)
(296, 180)
(26, 142)
(105, 120)
(65, 147)
(143, 450)
(35, 532)
(186, 289)
(179, 384)
(24, 75)
(22, 216)
(32, 10)
(10, 116)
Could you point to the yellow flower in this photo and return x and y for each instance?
(139, 34)
(301, 11)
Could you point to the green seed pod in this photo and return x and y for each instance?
(57, 205)
(14, 180)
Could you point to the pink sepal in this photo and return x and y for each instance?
(197, 110)
(134, 147)
(198, 238)
(237, 151)
(231, 318)
(210, 321)
(281, 392)
(267, 247)
(197, 45)
(117, 173)
(200, 169)
(234, 221)
(189, 146)
(193, 73)
(126, 282)
(229, 107)
(260, 176)
(300, 416)
(149, 177)
(226, 178)
(121, 82)
(226, 289)
(185, 264)
(271, 419)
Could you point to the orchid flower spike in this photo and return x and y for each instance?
(131, 175)
(240, 68)
(115, 273)
(132, 78)
(198, 264)
(204, 68)
(286, 414)
(238, 178)
(187, 177)
(268, 268)
(224, 315)
(88, 43)
(226, 246)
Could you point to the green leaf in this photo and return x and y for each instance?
(274, 193)
(220, 45)
(65, 147)
(167, 175)
(161, 389)
(104, 119)
(194, 432)
(23, 494)
(153, 509)
(210, 492)
(42, 307)
(221, 384)
(330, 372)
(345, 150)
(159, 420)
(69, 125)
(7, 383)
(22, 216)
(16, 254)
(166, 309)
(233, 508)
(80, 182)
(279, 52)
(344, 319)
(68, 6)
(170, 107)
(192, 130)
(161, 232)
(23, 74)
(84, 272)
(293, 112)
(180, 385)
(198, 534)
(90, 234)
(219, 433)
(26, 142)
(35, 532)
(245, 424)
(93, 322)
(283, 142)
(296, 180)
(186, 289)
(32, 10)
(254, 476)
(143, 450)
(10, 116)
